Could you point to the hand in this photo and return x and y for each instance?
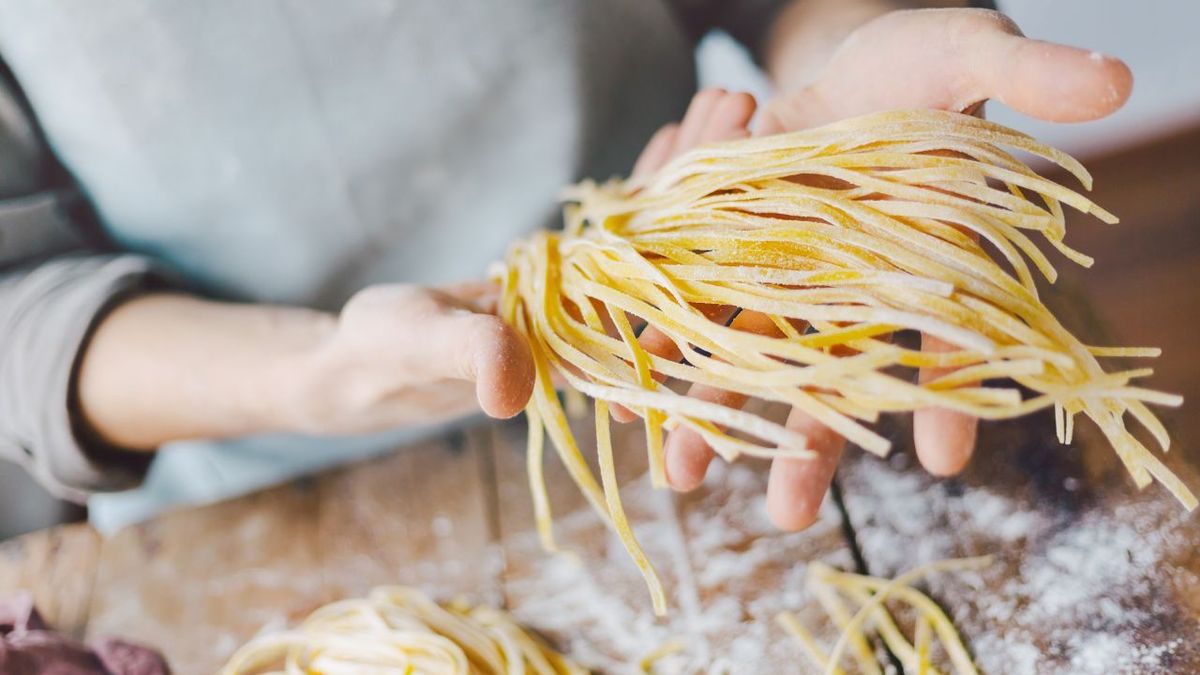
(166, 367)
(945, 59)
(405, 355)
(951, 59)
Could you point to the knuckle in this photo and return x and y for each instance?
(489, 331)
(966, 26)
(1002, 22)
(412, 297)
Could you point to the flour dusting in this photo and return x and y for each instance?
(728, 571)
(1080, 591)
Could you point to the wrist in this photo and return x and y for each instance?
(293, 393)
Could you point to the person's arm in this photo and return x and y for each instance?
(163, 367)
(166, 367)
(101, 357)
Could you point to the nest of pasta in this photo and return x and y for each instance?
(842, 236)
(401, 630)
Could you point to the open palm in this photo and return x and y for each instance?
(943, 59)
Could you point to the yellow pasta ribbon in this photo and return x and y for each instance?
(400, 630)
(840, 235)
(869, 595)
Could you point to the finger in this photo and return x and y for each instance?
(476, 295)
(695, 120)
(658, 343)
(657, 152)
(453, 343)
(1049, 81)
(687, 453)
(728, 119)
(501, 366)
(944, 439)
(800, 111)
(713, 115)
(952, 59)
(796, 487)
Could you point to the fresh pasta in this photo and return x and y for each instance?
(400, 630)
(841, 236)
(868, 596)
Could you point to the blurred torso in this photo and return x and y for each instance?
(296, 151)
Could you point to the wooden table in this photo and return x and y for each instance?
(1090, 576)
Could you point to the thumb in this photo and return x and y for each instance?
(1049, 81)
(461, 344)
(953, 59)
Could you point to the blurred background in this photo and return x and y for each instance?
(1145, 288)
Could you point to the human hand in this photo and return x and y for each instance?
(163, 367)
(945, 59)
(401, 355)
(951, 59)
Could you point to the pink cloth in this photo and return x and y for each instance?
(30, 647)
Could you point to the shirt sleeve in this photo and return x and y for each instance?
(746, 20)
(55, 281)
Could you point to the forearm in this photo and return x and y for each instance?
(168, 367)
(807, 32)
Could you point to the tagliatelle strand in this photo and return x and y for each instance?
(840, 236)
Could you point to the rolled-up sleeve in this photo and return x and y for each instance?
(47, 311)
(748, 21)
(53, 288)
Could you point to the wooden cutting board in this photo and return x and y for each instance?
(1090, 577)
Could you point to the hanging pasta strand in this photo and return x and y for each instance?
(854, 230)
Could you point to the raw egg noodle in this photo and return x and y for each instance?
(838, 592)
(400, 630)
(840, 236)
